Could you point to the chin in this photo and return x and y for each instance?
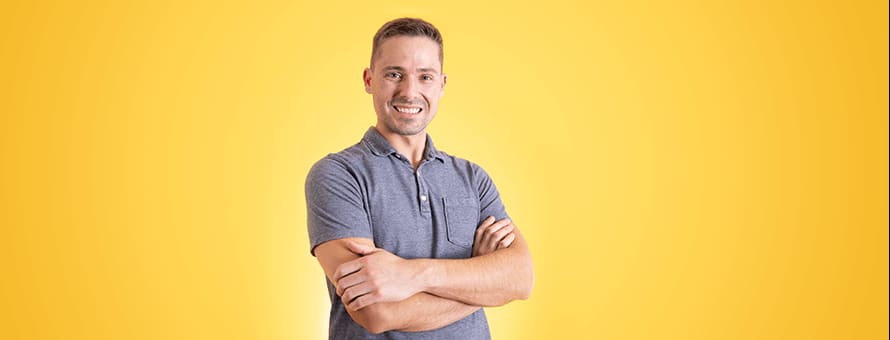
(412, 132)
(406, 130)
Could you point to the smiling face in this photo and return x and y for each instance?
(406, 82)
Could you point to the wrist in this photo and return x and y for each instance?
(427, 274)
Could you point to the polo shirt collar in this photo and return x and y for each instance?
(380, 146)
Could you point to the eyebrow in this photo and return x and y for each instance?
(402, 69)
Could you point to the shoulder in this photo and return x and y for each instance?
(344, 163)
(464, 166)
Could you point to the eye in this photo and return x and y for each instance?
(394, 75)
(427, 77)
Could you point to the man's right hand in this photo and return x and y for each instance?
(492, 235)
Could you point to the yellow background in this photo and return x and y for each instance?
(682, 170)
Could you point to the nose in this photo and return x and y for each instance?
(409, 88)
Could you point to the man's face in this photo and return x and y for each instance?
(406, 81)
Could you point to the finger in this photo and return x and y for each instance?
(354, 292)
(507, 241)
(491, 238)
(346, 268)
(349, 281)
(362, 302)
(482, 226)
(496, 226)
(499, 235)
(488, 220)
(359, 248)
(486, 243)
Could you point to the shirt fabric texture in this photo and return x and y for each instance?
(369, 190)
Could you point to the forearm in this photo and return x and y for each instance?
(489, 280)
(420, 312)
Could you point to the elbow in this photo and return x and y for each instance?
(525, 289)
(525, 292)
(521, 289)
(373, 318)
(525, 286)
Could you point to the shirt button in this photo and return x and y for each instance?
(423, 197)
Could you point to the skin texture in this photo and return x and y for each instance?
(384, 292)
(491, 236)
(419, 312)
(492, 279)
(406, 74)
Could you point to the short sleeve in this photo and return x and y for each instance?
(335, 208)
(490, 203)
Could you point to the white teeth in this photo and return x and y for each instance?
(407, 109)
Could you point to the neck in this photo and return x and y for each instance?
(411, 146)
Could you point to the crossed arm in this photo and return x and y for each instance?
(384, 292)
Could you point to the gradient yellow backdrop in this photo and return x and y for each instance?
(681, 169)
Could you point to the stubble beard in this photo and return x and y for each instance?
(410, 128)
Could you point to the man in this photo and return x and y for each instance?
(413, 241)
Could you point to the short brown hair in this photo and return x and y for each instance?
(412, 27)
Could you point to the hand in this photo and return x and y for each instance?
(377, 276)
(491, 236)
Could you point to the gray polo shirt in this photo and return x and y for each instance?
(369, 190)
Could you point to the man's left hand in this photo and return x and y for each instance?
(377, 276)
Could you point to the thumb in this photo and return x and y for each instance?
(359, 248)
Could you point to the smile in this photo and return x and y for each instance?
(407, 109)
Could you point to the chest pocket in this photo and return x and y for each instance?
(461, 219)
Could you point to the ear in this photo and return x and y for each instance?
(444, 80)
(366, 78)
